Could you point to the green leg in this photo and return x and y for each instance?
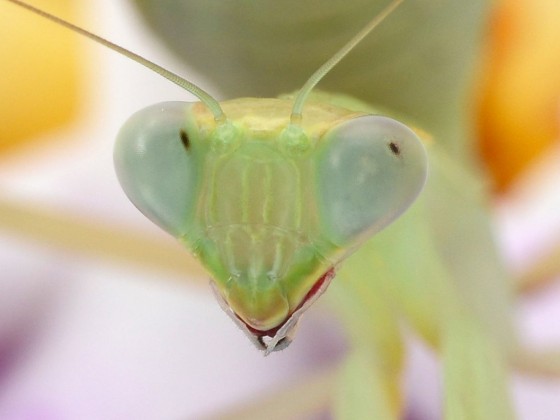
(365, 390)
(416, 280)
(370, 380)
(475, 373)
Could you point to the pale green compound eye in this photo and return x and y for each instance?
(369, 170)
(157, 165)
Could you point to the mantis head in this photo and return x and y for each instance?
(270, 201)
(270, 210)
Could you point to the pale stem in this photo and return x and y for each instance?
(292, 401)
(542, 272)
(99, 239)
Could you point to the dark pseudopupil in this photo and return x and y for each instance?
(394, 148)
(185, 139)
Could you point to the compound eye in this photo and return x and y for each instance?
(369, 171)
(156, 164)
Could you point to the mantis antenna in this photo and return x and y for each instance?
(302, 95)
(205, 97)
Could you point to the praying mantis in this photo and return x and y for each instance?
(408, 268)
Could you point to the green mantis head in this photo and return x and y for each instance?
(270, 210)
(270, 200)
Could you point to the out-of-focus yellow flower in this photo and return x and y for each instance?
(520, 93)
(35, 94)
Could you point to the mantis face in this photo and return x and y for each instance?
(269, 204)
(268, 208)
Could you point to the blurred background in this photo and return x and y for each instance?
(103, 316)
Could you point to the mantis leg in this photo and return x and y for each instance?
(369, 385)
(475, 373)
(473, 361)
(426, 276)
(462, 235)
(365, 390)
